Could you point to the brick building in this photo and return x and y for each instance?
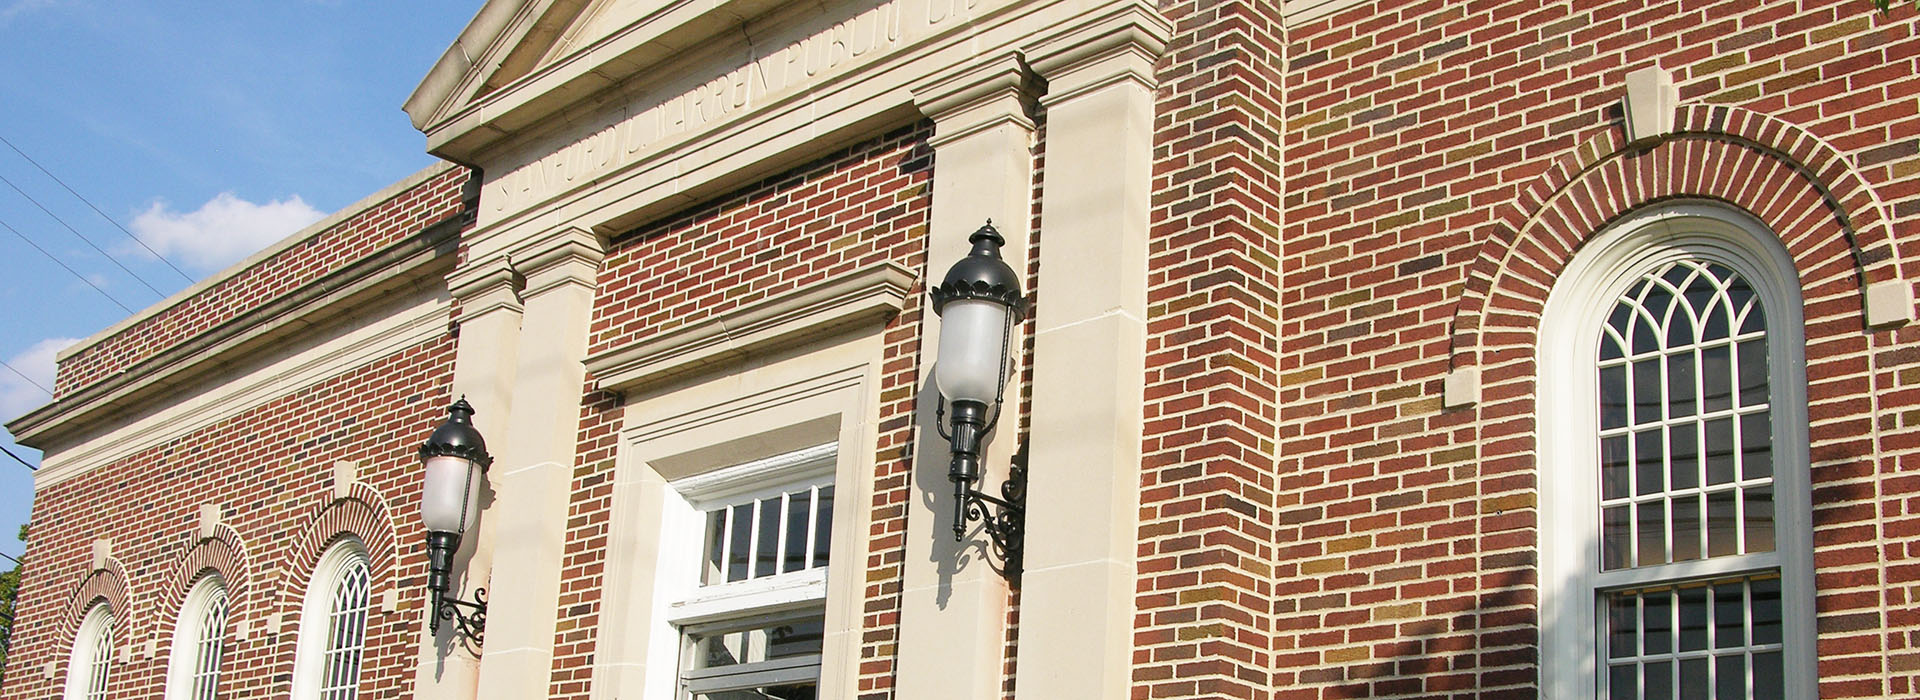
(1496, 349)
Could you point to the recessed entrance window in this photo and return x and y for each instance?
(752, 626)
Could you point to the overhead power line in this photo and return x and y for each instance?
(89, 241)
(23, 375)
(96, 210)
(75, 273)
(30, 466)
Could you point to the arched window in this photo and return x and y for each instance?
(91, 661)
(333, 625)
(1675, 537)
(199, 641)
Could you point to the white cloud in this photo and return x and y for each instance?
(23, 6)
(19, 395)
(222, 231)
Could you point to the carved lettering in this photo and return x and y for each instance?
(627, 136)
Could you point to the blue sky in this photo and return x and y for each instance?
(208, 129)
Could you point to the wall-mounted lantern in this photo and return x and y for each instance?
(454, 459)
(978, 303)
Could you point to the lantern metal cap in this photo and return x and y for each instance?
(457, 437)
(981, 275)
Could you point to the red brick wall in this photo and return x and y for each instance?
(440, 197)
(270, 468)
(844, 212)
(1419, 138)
(1208, 493)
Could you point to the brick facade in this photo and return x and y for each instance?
(1443, 161)
(844, 212)
(1345, 211)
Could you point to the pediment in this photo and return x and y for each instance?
(511, 39)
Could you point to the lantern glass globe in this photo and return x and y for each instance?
(452, 494)
(973, 334)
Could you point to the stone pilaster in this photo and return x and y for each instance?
(1077, 595)
(533, 467)
(953, 600)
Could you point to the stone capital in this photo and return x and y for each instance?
(486, 285)
(568, 256)
(992, 90)
(1120, 44)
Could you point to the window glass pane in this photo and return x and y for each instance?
(740, 542)
(1693, 678)
(1716, 376)
(1659, 622)
(1623, 682)
(767, 542)
(1758, 513)
(1685, 464)
(823, 527)
(1717, 324)
(1646, 391)
(1657, 681)
(1616, 543)
(1720, 451)
(1756, 446)
(1766, 611)
(1730, 677)
(1615, 482)
(1753, 318)
(1693, 618)
(1753, 372)
(1729, 616)
(1680, 384)
(1650, 456)
(1686, 528)
(1652, 528)
(799, 510)
(1623, 626)
(1613, 397)
(715, 569)
(1768, 681)
(1723, 527)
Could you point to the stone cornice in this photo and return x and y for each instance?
(417, 261)
(828, 307)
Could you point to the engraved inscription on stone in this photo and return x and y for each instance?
(631, 134)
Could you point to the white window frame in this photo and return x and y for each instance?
(187, 662)
(88, 672)
(810, 395)
(691, 605)
(1567, 399)
(316, 616)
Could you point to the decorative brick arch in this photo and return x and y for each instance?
(222, 553)
(107, 584)
(1802, 188)
(362, 514)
